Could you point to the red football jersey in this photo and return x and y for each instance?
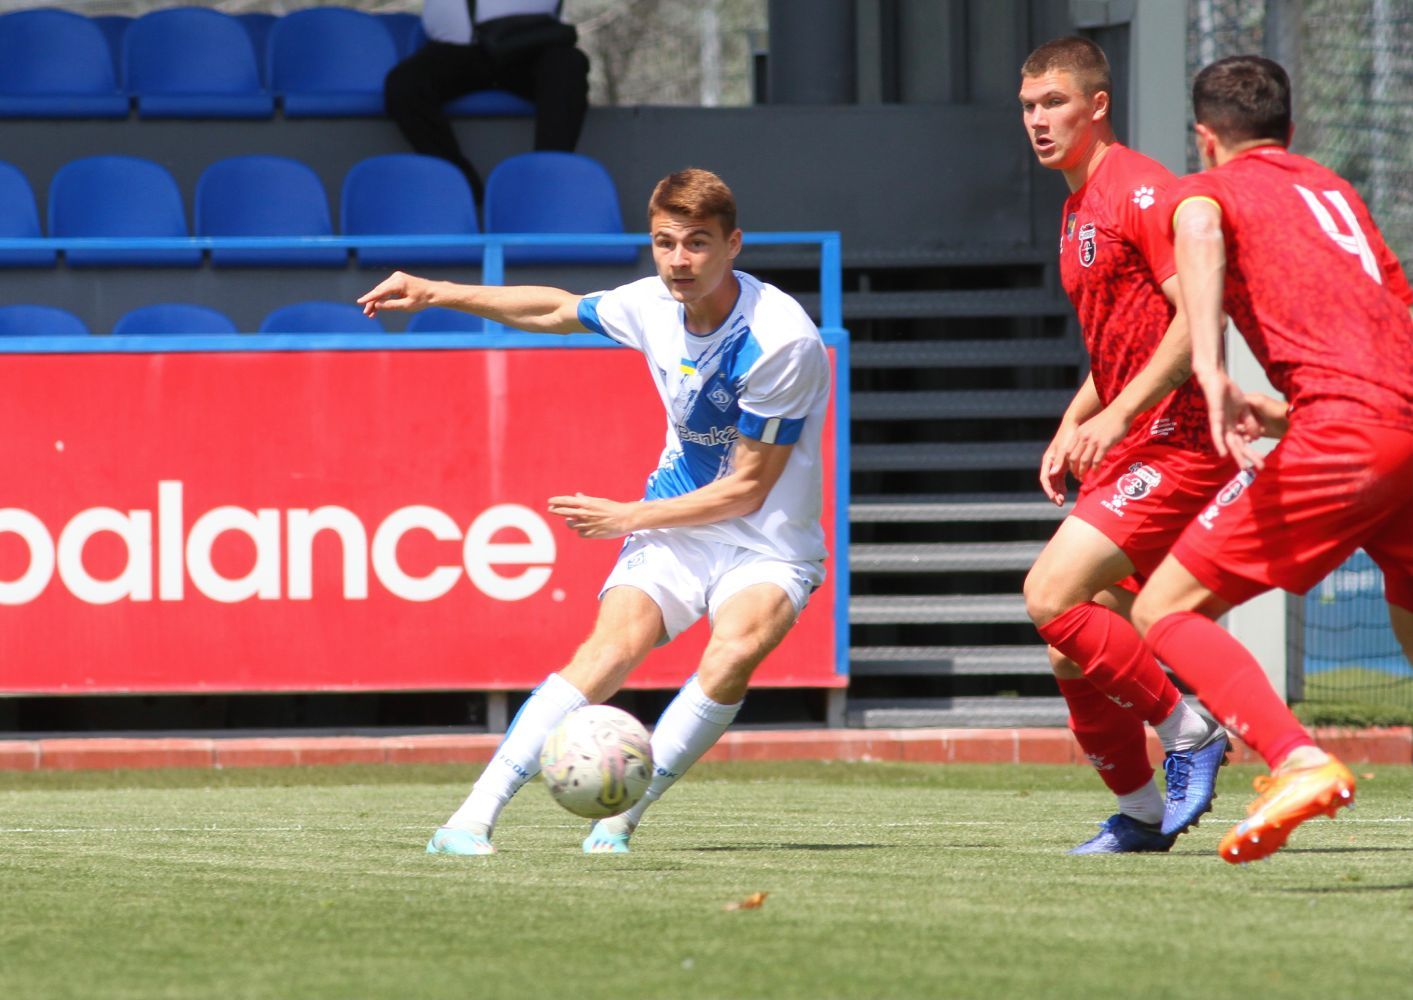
(1312, 286)
(1115, 254)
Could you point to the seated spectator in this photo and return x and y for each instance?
(517, 45)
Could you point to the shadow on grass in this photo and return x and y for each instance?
(1348, 850)
(785, 847)
(1352, 887)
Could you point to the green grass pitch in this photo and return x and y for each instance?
(883, 881)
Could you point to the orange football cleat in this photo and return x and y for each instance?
(1287, 799)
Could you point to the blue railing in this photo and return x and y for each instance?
(492, 272)
(492, 244)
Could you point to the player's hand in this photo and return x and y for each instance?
(399, 291)
(1272, 414)
(1092, 440)
(1054, 463)
(594, 517)
(1233, 421)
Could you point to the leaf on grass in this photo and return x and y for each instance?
(752, 902)
(1367, 776)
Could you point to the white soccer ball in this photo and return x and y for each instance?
(597, 762)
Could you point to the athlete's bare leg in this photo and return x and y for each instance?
(1078, 562)
(746, 628)
(628, 626)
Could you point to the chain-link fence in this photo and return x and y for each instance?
(1351, 66)
(1350, 653)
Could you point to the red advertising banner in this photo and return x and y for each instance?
(325, 520)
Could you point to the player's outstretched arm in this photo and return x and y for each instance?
(1057, 456)
(533, 308)
(756, 467)
(1168, 368)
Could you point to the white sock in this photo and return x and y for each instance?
(1183, 729)
(689, 727)
(517, 759)
(1144, 805)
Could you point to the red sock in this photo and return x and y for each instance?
(1111, 737)
(1114, 659)
(1230, 683)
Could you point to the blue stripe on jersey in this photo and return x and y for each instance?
(771, 430)
(589, 313)
(710, 429)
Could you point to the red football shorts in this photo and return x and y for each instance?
(1143, 498)
(1326, 490)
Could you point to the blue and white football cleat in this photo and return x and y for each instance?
(449, 840)
(603, 840)
(1120, 834)
(1191, 777)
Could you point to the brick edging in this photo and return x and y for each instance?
(936, 746)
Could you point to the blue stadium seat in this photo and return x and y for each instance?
(439, 320)
(555, 193)
(265, 196)
(320, 317)
(54, 64)
(490, 104)
(480, 103)
(406, 32)
(257, 25)
(330, 62)
(114, 27)
(173, 317)
(19, 217)
(403, 194)
(190, 62)
(118, 196)
(40, 321)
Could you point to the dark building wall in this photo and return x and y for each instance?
(887, 176)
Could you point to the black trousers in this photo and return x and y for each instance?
(555, 78)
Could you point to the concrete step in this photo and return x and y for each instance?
(942, 557)
(947, 661)
(1031, 352)
(756, 256)
(959, 404)
(947, 457)
(994, 712)
(999, 302)
(947, 610)
(958, 507)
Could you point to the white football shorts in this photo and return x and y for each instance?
(688, 577)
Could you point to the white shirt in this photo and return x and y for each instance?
(449, 21)
(763, 373)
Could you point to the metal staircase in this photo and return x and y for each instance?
(961, 367)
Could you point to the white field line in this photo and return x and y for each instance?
(756, 825)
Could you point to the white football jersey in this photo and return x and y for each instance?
(763, 373)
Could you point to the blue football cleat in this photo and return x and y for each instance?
(449, 840)
(1191, 777)
(602, 840)
(1120, 834)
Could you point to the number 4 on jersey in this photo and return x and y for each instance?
(1354, 241)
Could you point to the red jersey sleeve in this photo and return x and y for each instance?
(1143, 220)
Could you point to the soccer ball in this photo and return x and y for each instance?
(597, 762)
